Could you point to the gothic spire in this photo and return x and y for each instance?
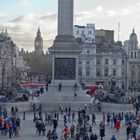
(2, 30)
(133, 30)
(38, 31)
(6, 31)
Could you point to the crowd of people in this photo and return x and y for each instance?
(9, 123)
(74, 125)
(79, 125)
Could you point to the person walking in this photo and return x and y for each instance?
(104, 117)
(54, 135)
(102, 130)
(49, 134)
(117, 125)
(66, 133)
(72, 131)
(108, 119)
(113, 137)
(10, 129)
(60, 87)
(134, 131)
(93, 119)
(55, 123)
(128, 130)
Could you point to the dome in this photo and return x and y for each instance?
(133, 40)
(133, 35)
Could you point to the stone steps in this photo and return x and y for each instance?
(111, 107)
(67, 97)
(22, 106)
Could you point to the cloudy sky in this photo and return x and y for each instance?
(22, 18)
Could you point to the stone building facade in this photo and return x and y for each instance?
(105, 59)
(7, 57)
(102, 60)
(11, 62)
(110, 64)
(87, 64)
(84, 34)
(133, 68)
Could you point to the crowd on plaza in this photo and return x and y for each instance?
(9, 123)
(77, 125)
(81, 127)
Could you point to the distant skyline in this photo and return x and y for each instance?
(22, 18)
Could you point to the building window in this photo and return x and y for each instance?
(98, 61)
(114, 61)
(90, 32)
(114, 72)
(135, 55)
(88, 51)
(106, 61)
(80, 62)
(93, 40)
(98, 73)
(106, 72)
(87, 71)
(122, 72)
(83, 32)
(131, 54)
(123, 62)
(88, 62)
(80, 71)
(78, 32)
(123, 85)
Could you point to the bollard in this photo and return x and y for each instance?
(23, 115)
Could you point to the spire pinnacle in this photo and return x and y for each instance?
(6, 31)
(133, 30)
(38, 31)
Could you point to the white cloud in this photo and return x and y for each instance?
(111, 13)
(125, 12)
(25, 3)
(2, 15)
(23, 28)
(99, 8)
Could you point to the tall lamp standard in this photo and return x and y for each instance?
(14, 73)
(3, 74)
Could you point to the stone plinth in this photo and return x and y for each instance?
(65, 52)
(66, 87)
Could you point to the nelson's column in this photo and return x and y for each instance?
(65, 52)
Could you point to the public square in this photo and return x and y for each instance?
(79, 83)
(28, 130)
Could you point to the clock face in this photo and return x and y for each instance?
(37, 43)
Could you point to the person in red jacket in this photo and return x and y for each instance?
(66, 132)
(117, 125)
(0, 123)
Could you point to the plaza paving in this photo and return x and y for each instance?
(28, 130)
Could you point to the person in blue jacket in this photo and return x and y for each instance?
(113, 137)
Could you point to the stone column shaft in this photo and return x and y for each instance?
(65, 17)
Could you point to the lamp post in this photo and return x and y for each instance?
(14, 73)
(109, 84)
(3, 74)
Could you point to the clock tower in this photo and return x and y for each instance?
(38, 43)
